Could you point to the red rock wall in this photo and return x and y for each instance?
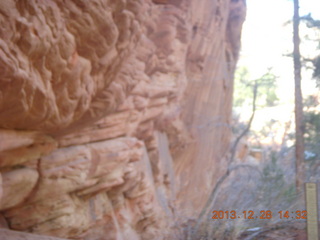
(114, 114)
(14, 235)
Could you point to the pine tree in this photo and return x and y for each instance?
(299, 145)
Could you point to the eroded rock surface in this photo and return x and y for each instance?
(14, 235)
(114, 114)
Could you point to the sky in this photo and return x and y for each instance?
(266, 38)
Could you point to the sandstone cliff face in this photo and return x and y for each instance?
(114, 114)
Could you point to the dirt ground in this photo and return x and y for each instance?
(295, 231)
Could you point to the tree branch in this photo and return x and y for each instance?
(230, 168)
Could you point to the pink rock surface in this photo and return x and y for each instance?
(14, 235)
(113, 113)
(17, 185)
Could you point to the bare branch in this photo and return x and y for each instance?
(246, 130)
(230, 168)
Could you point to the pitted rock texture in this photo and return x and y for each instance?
(114, 114)
(58, 59)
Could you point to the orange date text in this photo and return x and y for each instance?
(263, 214)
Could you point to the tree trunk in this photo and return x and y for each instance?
(299, 149)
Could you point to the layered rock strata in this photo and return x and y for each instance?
(14, 235)
(114, 114)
